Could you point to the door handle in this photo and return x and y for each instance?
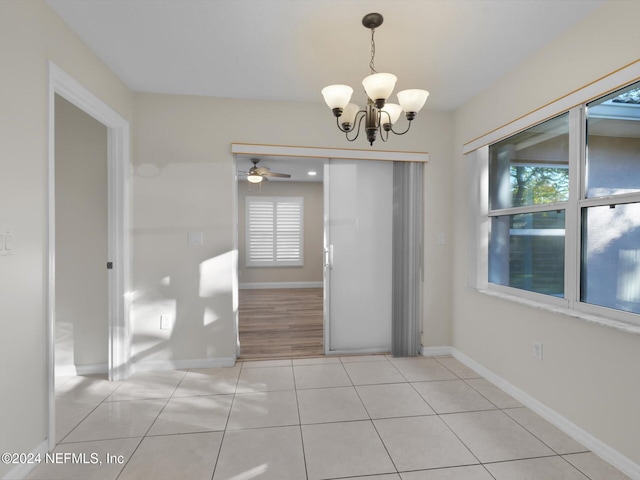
(328, 257)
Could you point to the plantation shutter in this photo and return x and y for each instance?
(274, 231)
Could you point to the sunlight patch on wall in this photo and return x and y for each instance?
(215, 274)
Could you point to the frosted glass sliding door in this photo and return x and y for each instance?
(358, 247)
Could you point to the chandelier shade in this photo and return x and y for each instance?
(390, 113)
(379, 85)
(412, 100)
(349, 114)
(379, 116)
(337, 96)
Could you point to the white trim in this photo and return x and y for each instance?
(435, 351)
(334, 153)
(118, 171)
(92, 369)
(157, 365)
(597, 89)
(265, 285)
(359, 351)
(80, 370)
(575, 313)
(607, 453)
(23, 469)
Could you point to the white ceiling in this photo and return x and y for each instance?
(289, 50)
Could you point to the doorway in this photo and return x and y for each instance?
(117, 266)
(81, 302)
(280, 262)
(302, 154)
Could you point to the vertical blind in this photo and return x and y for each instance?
(274, 231)
(407, 270)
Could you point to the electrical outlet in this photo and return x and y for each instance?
(537, 350)
(165, 322)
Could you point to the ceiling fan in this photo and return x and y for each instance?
(257, 174)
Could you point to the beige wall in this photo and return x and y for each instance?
(311, 271)
(589, 372)
(81, 238)
(183, 176)
(30, 35)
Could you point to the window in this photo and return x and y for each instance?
(610, 207)
(563, 209)
(528, 193)
(274, 227)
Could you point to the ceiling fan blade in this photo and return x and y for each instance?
(276, 174)
(261, 170)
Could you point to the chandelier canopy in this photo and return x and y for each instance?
(379, 115)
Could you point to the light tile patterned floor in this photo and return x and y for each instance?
(365, 417)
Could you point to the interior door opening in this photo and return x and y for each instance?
(280, 261)
(113, 133)
(81, 243)
(365, 186)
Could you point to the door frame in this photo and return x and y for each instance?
(302, 152)
(118, 223)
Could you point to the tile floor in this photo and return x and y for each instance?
(365, 417)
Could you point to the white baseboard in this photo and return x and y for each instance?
(435, 351)
(152, 365)
(86, 369)
(260, 285)
(607, 453)
(21, 470)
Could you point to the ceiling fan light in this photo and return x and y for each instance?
(412, 100)
(379, 85)
(254, 178)
(337, 96)
(390, 113)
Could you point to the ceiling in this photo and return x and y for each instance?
(288, 50)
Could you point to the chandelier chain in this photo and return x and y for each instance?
(373, 53)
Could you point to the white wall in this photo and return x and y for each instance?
(589, 373)
(183, 182)
(81, 239)
(30, 35)
(313, 233)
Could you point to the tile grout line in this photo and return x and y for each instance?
(226, 424)
(295, 389)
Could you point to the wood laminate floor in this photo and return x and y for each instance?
(281, 323)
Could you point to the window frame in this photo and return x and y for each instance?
(274, 262)
(571, 304)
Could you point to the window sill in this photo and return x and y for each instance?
(599, 320)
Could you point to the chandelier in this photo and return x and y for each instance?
(379, 116)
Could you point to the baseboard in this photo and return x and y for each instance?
(435, 351)
(152, 365)
(607, 453)
(21, 470)
(261, 285)
(86, 369)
